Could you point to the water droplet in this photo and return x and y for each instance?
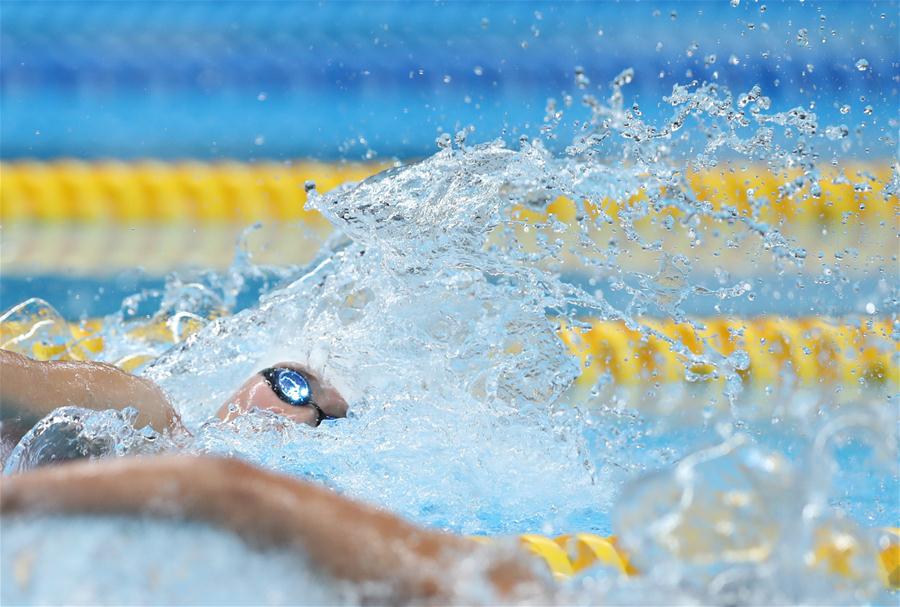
(259, 140)
(581, 81)
(870, 308)
(443, 141)
(733, 60)
(447, 78)
(837, 132)
(862, 65)
(803, 37)
(309, 186)
(845, 109)
(262, 96)
(479, 71)
(735, 3)
(868, 110)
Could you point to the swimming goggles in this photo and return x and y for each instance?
(292, 387)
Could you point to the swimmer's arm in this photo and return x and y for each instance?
(348, 540)
(30, 389)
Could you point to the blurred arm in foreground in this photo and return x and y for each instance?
(345, 539)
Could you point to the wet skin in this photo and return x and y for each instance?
(31, 389)
(256, 393)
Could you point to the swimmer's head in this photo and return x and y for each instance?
(289, 389)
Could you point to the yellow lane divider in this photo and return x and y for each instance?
(568, 555)
(807, 351)
(196, 192)
(889, 558)
(163, 192)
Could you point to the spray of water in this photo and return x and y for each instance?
(436, 308)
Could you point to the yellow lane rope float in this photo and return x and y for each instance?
(245, 192)
(567, 555)
(570, 554)
(889, 558)
(810, 351)
(164, 192)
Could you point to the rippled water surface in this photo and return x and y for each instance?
(436, 307)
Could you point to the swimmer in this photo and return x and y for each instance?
(347, 540)
(351, 542)
(31, 389)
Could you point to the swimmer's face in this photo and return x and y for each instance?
(258, 393)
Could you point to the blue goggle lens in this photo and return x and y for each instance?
(292, 387)
(289, 385)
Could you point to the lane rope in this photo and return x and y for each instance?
(806, 351)
(196, 192)
(570, 554)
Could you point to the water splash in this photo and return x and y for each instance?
(736, 523)
(70, 433)
(185, 563)
(436, 307)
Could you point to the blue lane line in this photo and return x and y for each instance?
(197, 45)
(174, 79)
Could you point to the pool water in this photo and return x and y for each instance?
(451, 304)
(434, 311)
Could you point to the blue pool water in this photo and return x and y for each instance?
(436, 311)
(82, 297)
(159, 80)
